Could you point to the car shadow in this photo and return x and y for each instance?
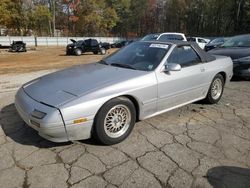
(229, 177)
(91, 141)
(15, 129)
(239, 79)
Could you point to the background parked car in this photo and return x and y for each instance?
(200, 41)
(82, 46)
(18, 46)
(105, 45)
(238, 48)
(165, 37)
(215, 43)
(120, 44)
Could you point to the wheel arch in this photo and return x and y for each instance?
(224, 76)
(136, 104)
(131, 98)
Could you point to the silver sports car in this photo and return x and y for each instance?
(105, 99)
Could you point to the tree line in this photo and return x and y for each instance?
(126, 18)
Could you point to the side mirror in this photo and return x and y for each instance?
(172, 67)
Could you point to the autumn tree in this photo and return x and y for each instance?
(125, 17)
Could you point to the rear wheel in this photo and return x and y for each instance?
(78, 52)
(114, 121)
(216, 90)
(19, 48)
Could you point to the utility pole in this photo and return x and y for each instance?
(54, 18)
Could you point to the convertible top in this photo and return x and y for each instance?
(205, 57)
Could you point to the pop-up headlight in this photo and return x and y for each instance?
(38, 114)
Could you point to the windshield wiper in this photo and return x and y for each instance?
(123, 65)
(103, 62)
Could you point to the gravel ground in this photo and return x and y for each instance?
(198, 146)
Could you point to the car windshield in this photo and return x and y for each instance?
(79, 42)
(150, 37)
(144, 56)
(191, 39)
(169, 37)
(237, 41)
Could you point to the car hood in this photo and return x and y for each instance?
(213, 44)
(71, 45)
(63, 86)
(234, 53)
(72, 40)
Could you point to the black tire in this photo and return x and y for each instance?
(78, 52)
(105, 121)
(95, 52)
(14, 48)
(19, 48)
(103, 51)
(210, 98)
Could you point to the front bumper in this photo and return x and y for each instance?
(242, 69)
(242, 73)
(207, 48)
(70, 50)
(52, 126)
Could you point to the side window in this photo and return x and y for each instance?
(185, 56)
(87, 42)
(94, 42)
(164, 38)
(190, 39)
(202, 41)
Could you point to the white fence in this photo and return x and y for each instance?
(51, 41)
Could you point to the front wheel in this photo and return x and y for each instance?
(114, 121)
(216, 90)
(103, 51)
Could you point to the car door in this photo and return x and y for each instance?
(87, 45)
(176, 88)
(94, 45)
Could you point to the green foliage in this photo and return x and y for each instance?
(5, 12)
(11, 15)
(40, 19)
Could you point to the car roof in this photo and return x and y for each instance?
(170, 42)
(171, 33)
(165, 33)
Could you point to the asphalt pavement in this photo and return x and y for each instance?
(198, 146)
